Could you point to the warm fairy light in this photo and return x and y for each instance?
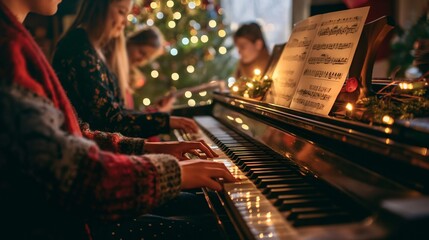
(231, 81)
(235, 89)
(171, 24)
(174, 52)
(177, 15)
(349, 107)
(257, 72)
(406, 86)
(212, 23)
(222, 50)
(188, 94)
(388, 119)
(190, 69)
(388, 130)
(146, 101)
(153, 5)
(203, 94)
(175, 76)
(191, 102)
(170, 3)
(249, 85)
(154, 74)
(150, 22)
(197, 2)
(209, 101)
(193, 32)
(220, 11)
(185, 41)
(204, 38)
(130, 17)
(221, 33)
(194, 39)
(191, 5)
(159, 15)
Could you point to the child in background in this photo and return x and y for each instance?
(252, 49)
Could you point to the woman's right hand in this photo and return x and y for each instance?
(203, 173)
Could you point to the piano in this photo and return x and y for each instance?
(310, 176)
(314, 177)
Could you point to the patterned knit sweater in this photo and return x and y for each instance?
(53, 180)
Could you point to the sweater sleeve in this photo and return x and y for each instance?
(114, 142)
(72, 170)
(94, 92)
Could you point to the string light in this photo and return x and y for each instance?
(146, 101)
(388, 119)
(175, 76)
(212, 23)
(173, 52)
(154, 74)
(190, 69)
(222, 50)
(185, 41)
(150, 22)
(193, 32)
(191, 5)
(204, 38)
(191, 102)
(153, 5)
(159, 15)
(203, 94)
(188, 94)
(170, 3)
(194, 39)
(177, 15)
(171, 24)
(221, 33)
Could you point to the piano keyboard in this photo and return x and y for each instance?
(276, 198)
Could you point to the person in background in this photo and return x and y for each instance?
(92, 64)
(252, 49)
(53, 180)
(144, 46)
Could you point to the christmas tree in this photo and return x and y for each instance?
(196, 50)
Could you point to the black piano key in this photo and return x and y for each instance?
(322, 219)
(295, 212)
(273, 193)
(283, 180)
(253, 174)
(275, 176)
(289, 204)
(248, 167)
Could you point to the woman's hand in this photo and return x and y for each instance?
(202, 173)
(179, 149)
(186, 124)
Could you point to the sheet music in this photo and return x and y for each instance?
(316, 60)
(288, 71)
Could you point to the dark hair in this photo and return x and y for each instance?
(149, 36)
(251, 31)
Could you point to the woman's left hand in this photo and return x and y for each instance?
(180, 150)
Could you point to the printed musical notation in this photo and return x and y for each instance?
(327, 59)
(316, 60)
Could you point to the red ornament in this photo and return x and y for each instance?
(351, 85)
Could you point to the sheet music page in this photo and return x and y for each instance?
(329, 60)
(288, 71)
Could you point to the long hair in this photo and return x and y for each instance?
(93, 16)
